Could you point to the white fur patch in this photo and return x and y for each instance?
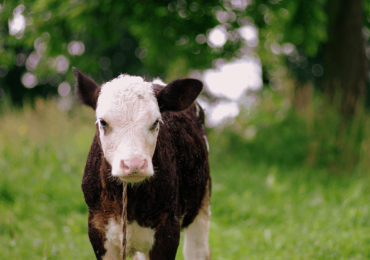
(206, 141)
(113, 240)
(139, 239)
(158, 81)
(197, 110)
(196, 237)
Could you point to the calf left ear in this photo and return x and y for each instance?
(87, 90)
(179, 94)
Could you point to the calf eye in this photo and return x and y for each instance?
(154, 126)
(103, 123)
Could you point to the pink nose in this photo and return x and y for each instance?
(135, 165)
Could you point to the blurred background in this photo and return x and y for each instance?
(286, 98)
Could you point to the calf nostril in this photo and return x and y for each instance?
(124, 166)
(144, 165)
(138, 164)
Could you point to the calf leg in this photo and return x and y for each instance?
(104, 248)
(167, 239)
(97, 240)
(196, 234)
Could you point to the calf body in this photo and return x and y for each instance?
(168, 187)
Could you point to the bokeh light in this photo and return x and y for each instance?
(3, 70)
(104, 63)
(141, 52)
(217, 37)
(250, 34)
(64, 89)
(62, 64)
(20, 59)
(76, 48)
(29, 80)
(32, 61)
(201, 38)
(18, 23)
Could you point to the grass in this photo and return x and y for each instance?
(259, 210)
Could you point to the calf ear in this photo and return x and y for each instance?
(86, 89)
(179, 94)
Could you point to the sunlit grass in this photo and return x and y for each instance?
(259, 211)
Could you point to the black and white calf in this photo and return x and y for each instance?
(153, 138)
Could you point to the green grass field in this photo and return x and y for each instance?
(259, 211)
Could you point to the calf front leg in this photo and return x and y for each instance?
(196, 234)
(167, 239)
(105, 248)
(96, 239)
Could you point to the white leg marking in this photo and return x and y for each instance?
(196, 235)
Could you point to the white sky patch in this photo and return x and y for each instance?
(217, 37)
(18, 23)
(221, 111)
(233, 79)
(230, 80)
(218, 113)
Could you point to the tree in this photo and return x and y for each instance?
(345, 60)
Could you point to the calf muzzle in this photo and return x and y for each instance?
(134, 169)
(135, 165)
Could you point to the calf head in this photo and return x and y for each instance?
(128, 116)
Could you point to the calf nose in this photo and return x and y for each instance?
(136, 164)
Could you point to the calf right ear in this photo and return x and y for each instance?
(86, 89)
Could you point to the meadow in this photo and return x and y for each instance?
(261, 209)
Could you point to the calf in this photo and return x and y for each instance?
(146, 175)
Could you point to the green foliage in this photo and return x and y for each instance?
(278, 133)
(42, 210)
(268, 212)
(260, 209)
(283, 143)
(302, 23)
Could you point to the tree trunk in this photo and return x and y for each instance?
(345, 62)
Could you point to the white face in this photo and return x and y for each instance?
(128, 119)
